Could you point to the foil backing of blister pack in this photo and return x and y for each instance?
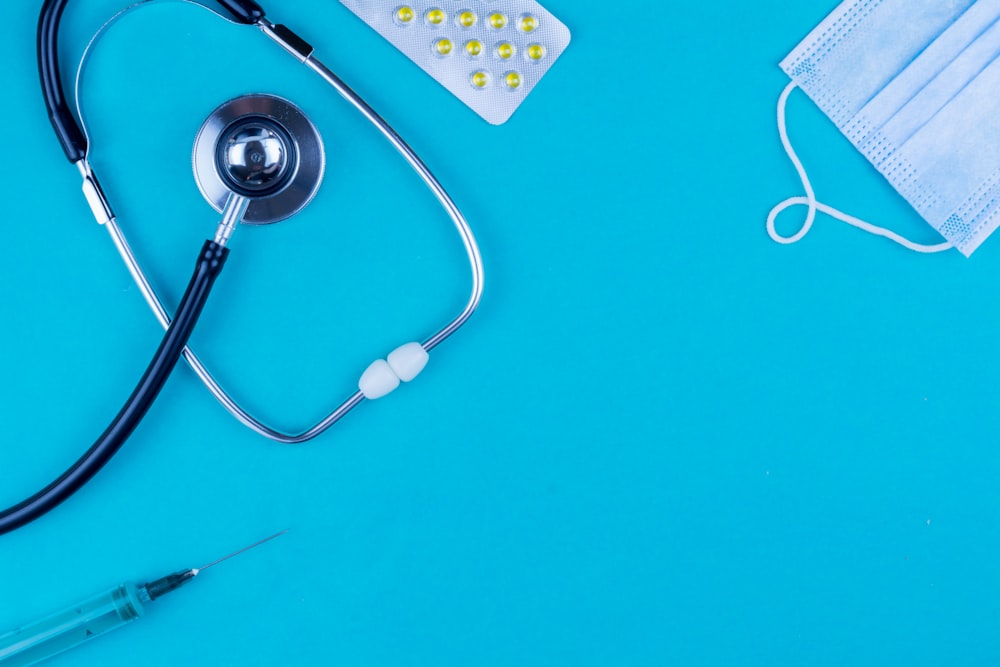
(490, 55)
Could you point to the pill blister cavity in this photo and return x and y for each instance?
(498, 21)
(435, 17)
(527, 23)
(474, 48)
(480, 80)
(512, 80)
(443, 47)
(404, 15)
(505, 50)
(466, 19)
(535, 52)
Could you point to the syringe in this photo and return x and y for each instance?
(94, 616)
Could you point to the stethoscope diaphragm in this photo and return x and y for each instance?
(261, 147)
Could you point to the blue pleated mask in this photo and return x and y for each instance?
(915, 86)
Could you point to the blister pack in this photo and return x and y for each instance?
(488, 54)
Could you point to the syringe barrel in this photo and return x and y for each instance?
(72, 626)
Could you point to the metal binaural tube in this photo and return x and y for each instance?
(418, 165)
(199, 368)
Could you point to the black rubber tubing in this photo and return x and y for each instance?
(68, 131)
(244, 11)
(210, 263)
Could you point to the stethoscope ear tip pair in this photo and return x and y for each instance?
(384, 376)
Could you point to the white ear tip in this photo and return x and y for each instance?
(378, 380)
(408, 360)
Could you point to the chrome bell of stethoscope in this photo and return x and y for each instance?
(258, 158)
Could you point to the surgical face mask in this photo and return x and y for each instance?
(915, 86)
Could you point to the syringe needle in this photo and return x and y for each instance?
(171, 582)
(91, 618)
(198, 570)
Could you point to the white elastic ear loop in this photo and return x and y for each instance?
(813, 205)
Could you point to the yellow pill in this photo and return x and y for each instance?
(480, 80)
(528, 23)
(505, 50)
(474, 48)
(435, 16)
(443, 47)
(513, 80)
(498, 20)
(536, 51)
(404, 14)
(467, 19)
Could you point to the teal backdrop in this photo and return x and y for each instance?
(663, 440)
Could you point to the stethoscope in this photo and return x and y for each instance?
(257, 159)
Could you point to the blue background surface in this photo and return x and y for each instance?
(664, 439)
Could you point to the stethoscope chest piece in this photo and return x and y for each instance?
(263, 148)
